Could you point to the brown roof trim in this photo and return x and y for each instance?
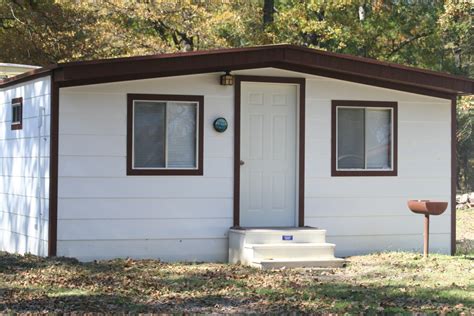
(301, 59)
(27, 76)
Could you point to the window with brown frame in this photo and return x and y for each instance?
(364, 138)
(17, 114)
(165, 134)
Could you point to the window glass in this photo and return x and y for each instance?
(149, 132)
(378, 139)
(364, 138)
(350, 138)
(181, 135)
(164, 135)
(16, 113)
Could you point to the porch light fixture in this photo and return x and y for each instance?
(227, 79)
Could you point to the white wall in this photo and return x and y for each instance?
(104, 213)
(365, 214)
(24, 169)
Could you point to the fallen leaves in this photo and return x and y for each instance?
(378, 283)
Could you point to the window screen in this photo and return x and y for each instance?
(165, 135)
(364, 138)
(181, 135)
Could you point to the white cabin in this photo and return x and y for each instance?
(124, 157)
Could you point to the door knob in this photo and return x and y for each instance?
(242, 162)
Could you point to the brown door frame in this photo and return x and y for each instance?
(301, 82)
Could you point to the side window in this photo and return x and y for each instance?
(17, 113)
(165, 135)
(364, 138)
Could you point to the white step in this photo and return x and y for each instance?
(300, 251)
(278, 235)
(281, 247)
(292, 263)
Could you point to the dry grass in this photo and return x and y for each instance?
(388, 282)
(465, 231)
(380, 283)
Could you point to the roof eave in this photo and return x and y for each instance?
(305, 60)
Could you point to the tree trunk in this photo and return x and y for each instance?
(268, 10)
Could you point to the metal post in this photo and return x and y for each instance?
(426, 236)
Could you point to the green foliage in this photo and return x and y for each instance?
(430, 34)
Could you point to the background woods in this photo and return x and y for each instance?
(436, 35)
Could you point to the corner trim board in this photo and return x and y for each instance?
(301, 82)
(454, 174)
(53, 171)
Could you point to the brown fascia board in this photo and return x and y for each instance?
(306, 60)
(289, 57)
(379, 70)
(134, 68)
(27, 76)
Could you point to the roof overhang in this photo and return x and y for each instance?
(288, 57)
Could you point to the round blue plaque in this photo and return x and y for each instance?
(220, 124)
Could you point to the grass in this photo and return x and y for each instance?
(387, 282)
(465, 231)
(392, 282)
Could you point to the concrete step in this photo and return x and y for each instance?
(292, 263)
(297, 251)
(278, 247)
(279, 235)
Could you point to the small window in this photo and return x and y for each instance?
(17, 113)
(165, 135)
(364, 138)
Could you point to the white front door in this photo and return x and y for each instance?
(268, 154)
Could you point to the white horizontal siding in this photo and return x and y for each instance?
(167, 249)
(347, 206)
(145, 187)
(103, 213)
(127, 229)
(145, 208)
(30, 108)
(374, 225)
(24, 205)
(358, 245)
(357, 187)
(24, 169)
(333, 89)
(92, 145)
(24, 166)
(115, 167)
(21, 243)
(32, 226)
(32, 146)
(25, 186)
(28, 131)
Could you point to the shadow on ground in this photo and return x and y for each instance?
(136, 286)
